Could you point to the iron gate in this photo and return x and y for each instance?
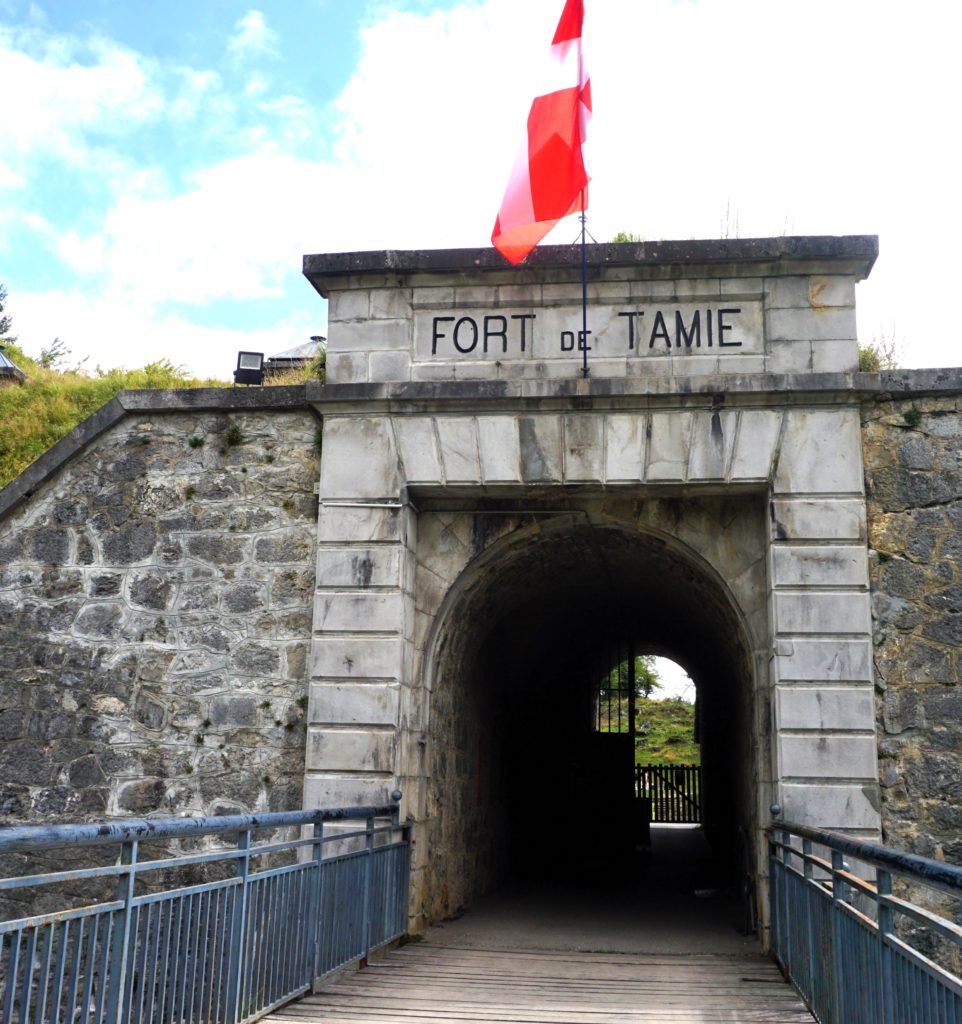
(674, 792)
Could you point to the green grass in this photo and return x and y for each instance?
(666, 732)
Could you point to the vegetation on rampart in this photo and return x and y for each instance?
(38, 413)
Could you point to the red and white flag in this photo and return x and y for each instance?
(549, 180)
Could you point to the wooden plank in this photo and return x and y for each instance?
(419, 984)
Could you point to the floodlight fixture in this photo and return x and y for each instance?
(250, 368)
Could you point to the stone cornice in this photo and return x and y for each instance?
(852, 254)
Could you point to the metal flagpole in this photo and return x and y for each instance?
(584, 295)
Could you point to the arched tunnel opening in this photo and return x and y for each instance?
(525, 785)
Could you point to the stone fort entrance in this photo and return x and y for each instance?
(493, 525)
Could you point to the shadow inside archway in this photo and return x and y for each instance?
(677, 907)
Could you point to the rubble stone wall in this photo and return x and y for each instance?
(155, 619)
(912, 451)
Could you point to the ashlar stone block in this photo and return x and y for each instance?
(390, 303)
(668, 447)
(822, 519)
(790, 357)
(839, 806)
(584, 447)
(359, 459)
(625, 448)
(349, 304)
(419, 449)
(500, 449)
(390, 366)
(357, 657)
(362, 750)
(820, 612)
(369, 336)
(812, 324)
(821, 707)
(359, 567)
(828, 756)
(360, 523)
(829, 660)
(331, 790)
(459, 449)
(540, 438)
(712, 439)
(835, 356)
(346, 367)
(820, 565)
(811, 292)
(358, 613)
(820, 453)
(354, 704)
(754, 453)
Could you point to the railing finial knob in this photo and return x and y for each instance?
(775, 810)
(396, 795)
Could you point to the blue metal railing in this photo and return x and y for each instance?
(222, 951)
(848, 942)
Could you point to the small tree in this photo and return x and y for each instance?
(53, 356)
(6, 321)
(881, 353)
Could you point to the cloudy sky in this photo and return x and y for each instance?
(164, 166)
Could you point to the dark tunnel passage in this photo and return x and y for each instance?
(537, 791)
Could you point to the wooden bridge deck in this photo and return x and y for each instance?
(423, 983)
(519, 956)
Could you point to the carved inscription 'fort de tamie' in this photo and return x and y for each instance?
(717, 329)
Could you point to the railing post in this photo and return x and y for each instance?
(886, 925)
(838, 899)
(785, 914)
(404, 875)
(368, 871)
(117, 994)
(238, 939)
(318, 893)
(809, 875)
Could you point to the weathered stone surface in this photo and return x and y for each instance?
(51, 545)
(133, 542)
(500, 449)
(152, 590)
(819, 453)
(540, 440)
(914, 487)
(148, 614)
(668, 444)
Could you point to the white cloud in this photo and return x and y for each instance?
(10, 179)
(257, 85)
(815, 118)
(115, 334)
(61, 100)
(252, 36)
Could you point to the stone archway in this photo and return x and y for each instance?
(536, 601)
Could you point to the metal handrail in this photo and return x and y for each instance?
(36, 837)
(838, 932)
(934, 873)
(222, 950)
